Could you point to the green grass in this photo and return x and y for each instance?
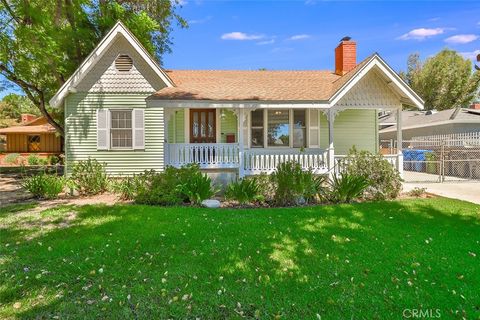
(362, 261)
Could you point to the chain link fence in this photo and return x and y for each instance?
(432, 159)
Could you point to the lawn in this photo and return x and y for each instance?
(368, 260)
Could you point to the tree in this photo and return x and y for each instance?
(13, 105)
(444, 81)
(42, 42)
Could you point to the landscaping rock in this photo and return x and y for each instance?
(211, 203)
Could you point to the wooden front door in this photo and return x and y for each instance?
(202, 126)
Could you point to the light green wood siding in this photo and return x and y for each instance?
(176, 127)
(81, 133)
(228, 124)
(352, 127)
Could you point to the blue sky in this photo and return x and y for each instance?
(303, 34)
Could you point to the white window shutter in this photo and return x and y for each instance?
(314, 129)
(103, 141)
(138, 128)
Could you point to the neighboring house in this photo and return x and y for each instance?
(33, 135)
(427, 123)
(123, 109)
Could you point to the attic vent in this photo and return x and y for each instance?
(123, 63)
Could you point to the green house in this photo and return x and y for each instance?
(123, 109)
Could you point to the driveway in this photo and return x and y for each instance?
(465, 190)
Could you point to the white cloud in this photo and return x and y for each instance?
(241, 36)
(299, 37)
(472, 55)
(271, 41)
(421, 33)
(461, 38)
(199, 21)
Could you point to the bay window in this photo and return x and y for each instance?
(257, 129)
(299, 129)
(278, 133)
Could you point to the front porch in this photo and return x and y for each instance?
(255, 141)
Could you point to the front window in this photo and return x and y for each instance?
(299, 129)
(121, 128)
(278, 132)
(257, 129)
(33, 143)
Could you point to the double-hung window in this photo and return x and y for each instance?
(121, 129)
(278, 128)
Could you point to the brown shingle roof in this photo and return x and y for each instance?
(39, 125)
(238, 85)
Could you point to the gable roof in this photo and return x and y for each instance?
(416, 119)
(38, 125)
(304, 86)
(118, 30)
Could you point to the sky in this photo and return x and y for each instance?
(302, 34)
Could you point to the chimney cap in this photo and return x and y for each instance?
(346, 38)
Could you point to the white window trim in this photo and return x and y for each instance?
(110, 129)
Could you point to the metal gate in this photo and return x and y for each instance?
(439, 160)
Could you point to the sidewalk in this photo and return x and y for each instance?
(467, 191)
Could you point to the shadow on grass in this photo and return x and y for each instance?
(369, 259)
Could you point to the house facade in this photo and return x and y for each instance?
(123, 109)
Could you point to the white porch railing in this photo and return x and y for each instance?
(266, 160)
(206, 155)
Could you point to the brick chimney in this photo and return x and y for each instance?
(25, 117)
(345, 56)
(475, 106)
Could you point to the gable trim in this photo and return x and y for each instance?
(377, 61)
(89, 63)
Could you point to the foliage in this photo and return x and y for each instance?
(173, 186)
(197, 188)
(43, 161)
(44, 186)
(128, 187)
(53, 160)
(417, 192)
(13, 106)
(444, 81)
(384, 180)
(33, 160)
(89, 177)
(346, 188)
(293, 185)
(11, 158)
(244, 191)
(43, 42)
(266, 186)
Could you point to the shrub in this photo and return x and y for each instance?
(417, 192)
(44, 186)
(294, 185)
(384, 180)
(346, 188)
(33, 160)
(197, 188)
(43, 161)
(11, 158)
(173, 186)
(89, 177)
(53, 160)
(244, 191)
(128, 187)
(265, 185)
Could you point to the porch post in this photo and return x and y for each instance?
(331, 149)
(399, 142)
(241, 168)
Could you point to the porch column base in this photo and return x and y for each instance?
(400, 164)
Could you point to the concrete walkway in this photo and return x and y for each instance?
(465, 190)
